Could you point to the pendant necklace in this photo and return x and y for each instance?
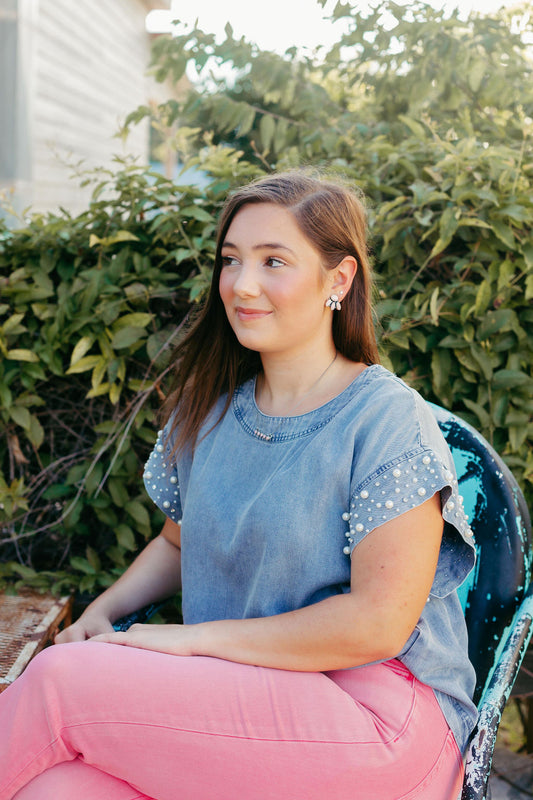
(268, 436)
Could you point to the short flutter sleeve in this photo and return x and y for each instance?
(406, 480)
(161, 478)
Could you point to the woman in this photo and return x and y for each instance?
(313, 515)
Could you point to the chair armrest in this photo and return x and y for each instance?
(481, 747)
(142, 615)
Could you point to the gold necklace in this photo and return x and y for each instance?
(268, 436)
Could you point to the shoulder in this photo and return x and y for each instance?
(389, 424)
(385, 401)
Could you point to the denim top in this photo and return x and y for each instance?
(272, 507)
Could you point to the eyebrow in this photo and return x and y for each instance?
(262, 246)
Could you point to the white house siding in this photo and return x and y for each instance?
(81, 69)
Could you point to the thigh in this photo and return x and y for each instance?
(74, 777)
(208, 728)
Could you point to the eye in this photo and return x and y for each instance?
(228, 261)
(272, 261)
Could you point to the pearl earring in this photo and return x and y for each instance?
(333, 302)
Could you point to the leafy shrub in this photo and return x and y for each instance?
(431, 116)
(90, 313)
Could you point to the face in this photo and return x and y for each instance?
(272, 283)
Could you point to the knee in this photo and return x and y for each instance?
(57, 664)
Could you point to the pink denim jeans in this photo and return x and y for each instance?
(94, 721)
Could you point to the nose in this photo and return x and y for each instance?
(246, 283)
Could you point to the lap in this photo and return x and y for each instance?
(218, 729)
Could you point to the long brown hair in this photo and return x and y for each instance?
(210, 361)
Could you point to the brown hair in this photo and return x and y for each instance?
(210, 360)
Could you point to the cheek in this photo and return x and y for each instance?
(225, 287)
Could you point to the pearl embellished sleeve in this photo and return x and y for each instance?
(161, 479)
(400, 485)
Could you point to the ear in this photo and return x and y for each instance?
(342, 276)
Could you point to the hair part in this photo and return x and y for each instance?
(210, 361)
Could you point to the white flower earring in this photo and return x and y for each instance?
(333, 302)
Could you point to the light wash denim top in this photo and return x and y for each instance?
(272, 507)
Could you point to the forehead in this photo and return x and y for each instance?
(265, 222)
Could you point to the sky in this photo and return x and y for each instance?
(280, 24)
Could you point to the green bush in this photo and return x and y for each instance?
(431, 116)
(90, 312)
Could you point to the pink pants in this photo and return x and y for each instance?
(94, 721)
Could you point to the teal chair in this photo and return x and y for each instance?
(497, 597)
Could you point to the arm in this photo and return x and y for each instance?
(392, 573)
(154, 575)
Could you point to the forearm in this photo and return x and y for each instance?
(331, 634)
(153, 576)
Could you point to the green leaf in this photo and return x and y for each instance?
(138, 512)
(93, 558)
(504, 233)
(82, 565)
(84, 364)
(21, 416)
(483, 298)
(511, 378)
(494, 322)
(22, 355)
(529, 287)
(267, 129)
(36, 432)
(12, 323)
(197, 213)
(6, 396)
(81, 348)
(440, 368)
(481, 413)
(118, 491)
(126, 537)
(107, 241)
(135, 320)
(125, 337)
(433, 307)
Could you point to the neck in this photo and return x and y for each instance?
(294, 382)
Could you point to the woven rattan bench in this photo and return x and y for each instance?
(28, 622)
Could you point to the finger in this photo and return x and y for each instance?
(72, 634)
(115, 637)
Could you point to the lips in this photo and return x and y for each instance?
(251, 313)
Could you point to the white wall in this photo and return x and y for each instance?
(81, 69)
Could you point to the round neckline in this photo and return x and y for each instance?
(282, 428)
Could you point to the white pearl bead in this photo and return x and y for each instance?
(450, 505)
(426, 460)
(396, 472)
(346, 516)
(166, 504)
(359, 527)
(346, 550)
(389, 504)
(148, 476)
(421, 492)
(159, 448)
(173, 479)
(364, 494)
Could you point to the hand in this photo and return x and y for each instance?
(88, 625)
(173, 639)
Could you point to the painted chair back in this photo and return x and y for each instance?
(502, 530)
